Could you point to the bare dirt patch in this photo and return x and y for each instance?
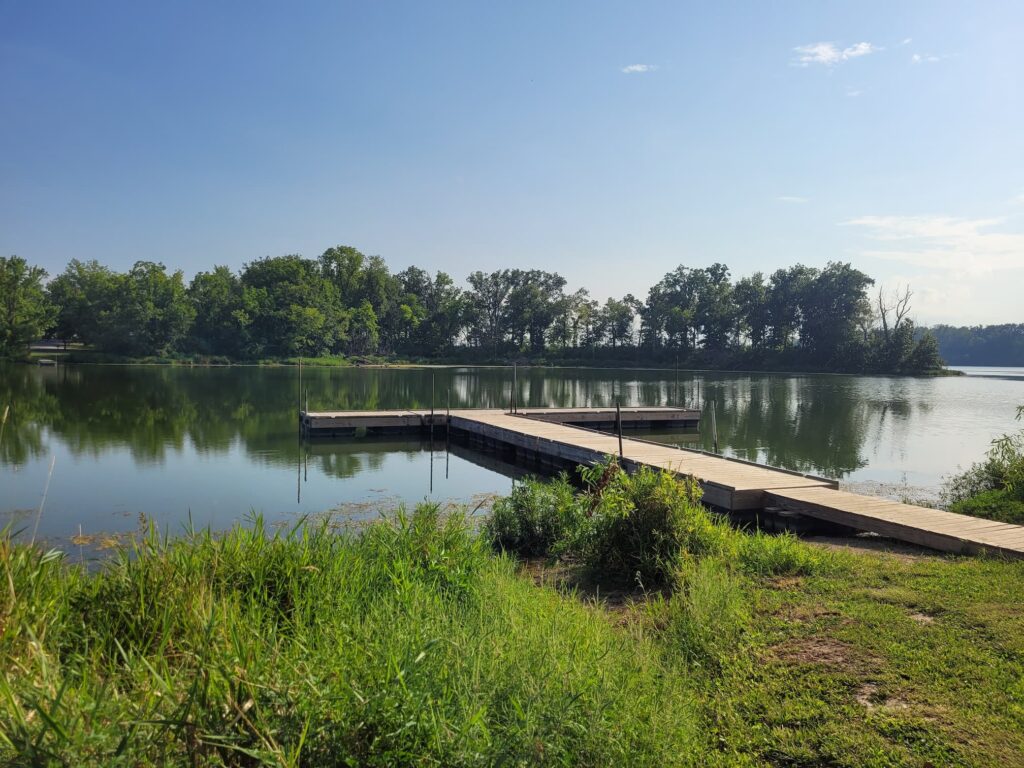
(571, 580)
(806, 613)
(821, 650)
(786, 582)
(869, 697)
(922, 618)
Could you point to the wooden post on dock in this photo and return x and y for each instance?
(515, 389)
(447, 426)
(714, 425)
(618, 428)
(431, 412)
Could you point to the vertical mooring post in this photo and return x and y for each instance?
(618, 427)
(515, 389)
(447, 426)
(679, 404)
(714, 425)
(431, 412)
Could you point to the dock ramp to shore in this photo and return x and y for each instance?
(569, 436)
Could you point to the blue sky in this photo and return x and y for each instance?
(607, 141)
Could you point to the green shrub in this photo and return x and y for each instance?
(1002, 470)
(639, 524)
(535, 518)
(999, 504)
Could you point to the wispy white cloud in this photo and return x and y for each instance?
(830, 54)
(926, 58)
(792, 199)
(907, 41)
(962, 246)
(634, 69)
(853, 92)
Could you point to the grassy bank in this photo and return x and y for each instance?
(417, 643)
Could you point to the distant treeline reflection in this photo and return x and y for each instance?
(811, 424)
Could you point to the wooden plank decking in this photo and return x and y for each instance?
(730, 484)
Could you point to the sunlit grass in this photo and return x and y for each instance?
(412, 642)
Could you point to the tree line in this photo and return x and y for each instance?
(982, 344)
(346, 303)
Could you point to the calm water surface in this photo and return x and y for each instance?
(219, 443)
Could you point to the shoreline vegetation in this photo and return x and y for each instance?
(992, 488)
(621, 624)
(345, 305)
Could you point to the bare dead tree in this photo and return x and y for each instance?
(896, 305)
(902, 307)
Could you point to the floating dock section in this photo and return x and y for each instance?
(568, 436)
(335, 423)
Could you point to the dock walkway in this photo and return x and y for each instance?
(730, 484)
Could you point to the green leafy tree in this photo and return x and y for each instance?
(439, 313)
(84, 294)
(715, 306)
(831, 306)
(295, 308)
(149, 314)
(787, 290)
(364, 333)
(489, 297)
(25, 312)
(926, 357)
(619, 315)
(223, 312)
(751, 295)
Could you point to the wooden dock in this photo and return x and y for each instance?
(327, 423)
(730, 484)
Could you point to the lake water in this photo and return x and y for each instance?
(219, 443)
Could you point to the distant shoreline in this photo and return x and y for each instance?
(83, 357)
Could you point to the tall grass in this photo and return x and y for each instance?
(536, 517)
(706, 615)
(651, 527)
(410, 644)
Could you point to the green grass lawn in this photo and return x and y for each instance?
(414, 644)
(888, 660)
